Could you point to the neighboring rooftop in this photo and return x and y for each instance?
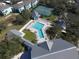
(27, 1)
(11, 1)
(3, 6)
(22, 3)
(33, 1)
(17, 33)
(1, 0)
(19, 4)
(58, 45)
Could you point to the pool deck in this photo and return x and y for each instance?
(46, 25)
(29, 25)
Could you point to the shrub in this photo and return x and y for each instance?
(18, 21)
(2, 27)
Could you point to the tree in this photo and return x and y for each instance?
(26, 14)
(15, 1)
(58, 11)
(2, 27)
(44, 1)
(71, 19)
(53, 32)
(7, 51)
(18, 21)
(72, 29)
(50, 33)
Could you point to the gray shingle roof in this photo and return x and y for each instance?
(16, 32)
(43, 45)
(2, 6)
(58, 45)
(18, 5)
(33, 1)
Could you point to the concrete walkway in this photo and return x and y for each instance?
(17, 56)
(27, 24)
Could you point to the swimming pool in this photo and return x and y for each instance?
(39, 27)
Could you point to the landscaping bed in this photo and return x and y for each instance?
(50, 18)
(30, 36)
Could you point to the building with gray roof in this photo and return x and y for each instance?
(60, 50)
(24, 4)
(5, 9)
(19, 7)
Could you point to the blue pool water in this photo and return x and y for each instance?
(39, 27)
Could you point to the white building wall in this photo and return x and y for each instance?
(7, 11)
(28, 6)
(21, 9)
(35, 3)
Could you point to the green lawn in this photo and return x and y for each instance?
(30, 36)
(51, 18)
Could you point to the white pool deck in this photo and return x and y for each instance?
(29, 27)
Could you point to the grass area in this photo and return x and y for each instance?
(7, 23)
(30, 36)
(1, 18)
(50, 18)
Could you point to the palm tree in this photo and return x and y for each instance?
(50, 33)
(53, 32)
